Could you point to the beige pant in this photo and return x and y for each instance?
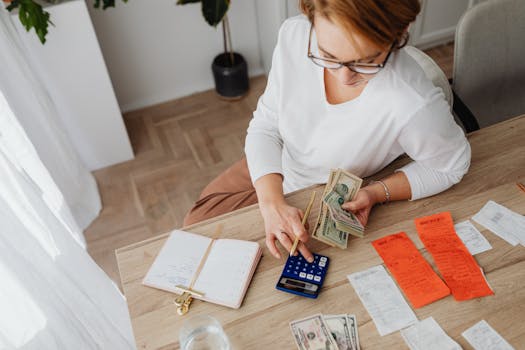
(229, 191)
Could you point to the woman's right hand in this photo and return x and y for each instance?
(282, 222)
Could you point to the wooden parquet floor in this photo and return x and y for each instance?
(179, 147)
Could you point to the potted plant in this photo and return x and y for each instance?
(230, 71)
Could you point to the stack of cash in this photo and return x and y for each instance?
(334, 223)
(327, 332)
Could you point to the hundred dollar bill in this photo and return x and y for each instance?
(344, 220)
(352, 325)
(312, 333)
(334, 223)
(340, 330)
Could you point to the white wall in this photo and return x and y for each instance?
(156, 51)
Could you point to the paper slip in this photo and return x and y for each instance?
(382, 299)
(412, 272)
(457, 266)
(473, 239)
(428, 335)
(483, 337)
(503, 222)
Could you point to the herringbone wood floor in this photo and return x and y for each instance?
(179, 147)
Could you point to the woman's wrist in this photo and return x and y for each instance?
(377, 192)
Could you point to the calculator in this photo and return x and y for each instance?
(303, 278)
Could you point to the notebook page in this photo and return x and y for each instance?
(227, 271)
(177, 261)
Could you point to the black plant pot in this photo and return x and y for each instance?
(231, 81)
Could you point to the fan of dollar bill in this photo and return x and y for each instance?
(326, 332)
(334, 224)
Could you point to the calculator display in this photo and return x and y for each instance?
(298, 286)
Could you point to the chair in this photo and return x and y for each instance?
(489, 61)
(438, 78)
(433, 73)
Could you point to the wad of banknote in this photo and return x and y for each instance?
(327, 332)
(334, 224)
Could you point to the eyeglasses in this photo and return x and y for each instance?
(356, 67)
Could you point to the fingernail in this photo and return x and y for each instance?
(311, 260)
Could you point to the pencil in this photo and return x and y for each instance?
(305, 218)
(520, 186)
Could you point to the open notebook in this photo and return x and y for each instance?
(224, 277)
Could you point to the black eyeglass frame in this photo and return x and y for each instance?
(349, 64)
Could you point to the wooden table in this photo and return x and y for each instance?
(498, 162)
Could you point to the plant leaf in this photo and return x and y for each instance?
(105, 3)
(214, 10)
(184, 2)
(32, 15)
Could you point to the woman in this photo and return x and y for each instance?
(342, 93)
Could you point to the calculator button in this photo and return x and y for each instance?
(323, 259)
(304, 269)
(302, 275)
(311, 271)
(309, 276)
(319, 273)
(288, 271)
(322, 264)
(317, 278)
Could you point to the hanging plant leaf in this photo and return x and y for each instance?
(106, 3)
(32, 15)
(184, 2)
(214, 10)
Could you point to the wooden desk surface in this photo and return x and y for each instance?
(498, 162)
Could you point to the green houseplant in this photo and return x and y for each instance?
(230, 70)
(32, 14)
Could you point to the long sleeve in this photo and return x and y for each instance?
(438, 146)
(264, 144)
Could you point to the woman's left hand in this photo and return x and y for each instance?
(363, 202)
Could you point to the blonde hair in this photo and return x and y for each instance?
(383, 22)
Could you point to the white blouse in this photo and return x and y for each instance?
(297, 133)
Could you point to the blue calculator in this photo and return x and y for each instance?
(303, 278)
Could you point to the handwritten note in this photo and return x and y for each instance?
(458, 267)
(505, 223)
(483, 337)
(382, 299)
(473, 239)
(412, 272)
(428, 335)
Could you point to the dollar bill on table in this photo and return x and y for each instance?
(344, 331)
(334, 223)
(312, 333)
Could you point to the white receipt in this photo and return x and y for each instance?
(483, 337)
(428, 335)
(505, 223)
(382, 299)
(474, 241)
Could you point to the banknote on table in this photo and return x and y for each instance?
(334, 223)
(344, 331)
(312, 333)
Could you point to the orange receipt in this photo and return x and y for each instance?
(412, 272)
(455, 263)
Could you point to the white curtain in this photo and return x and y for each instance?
(52, 294)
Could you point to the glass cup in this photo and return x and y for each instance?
(203, 333)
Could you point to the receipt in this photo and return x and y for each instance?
(382, 299)
(428, 335)
(503, 222)
(474, 241)
(483, 337)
